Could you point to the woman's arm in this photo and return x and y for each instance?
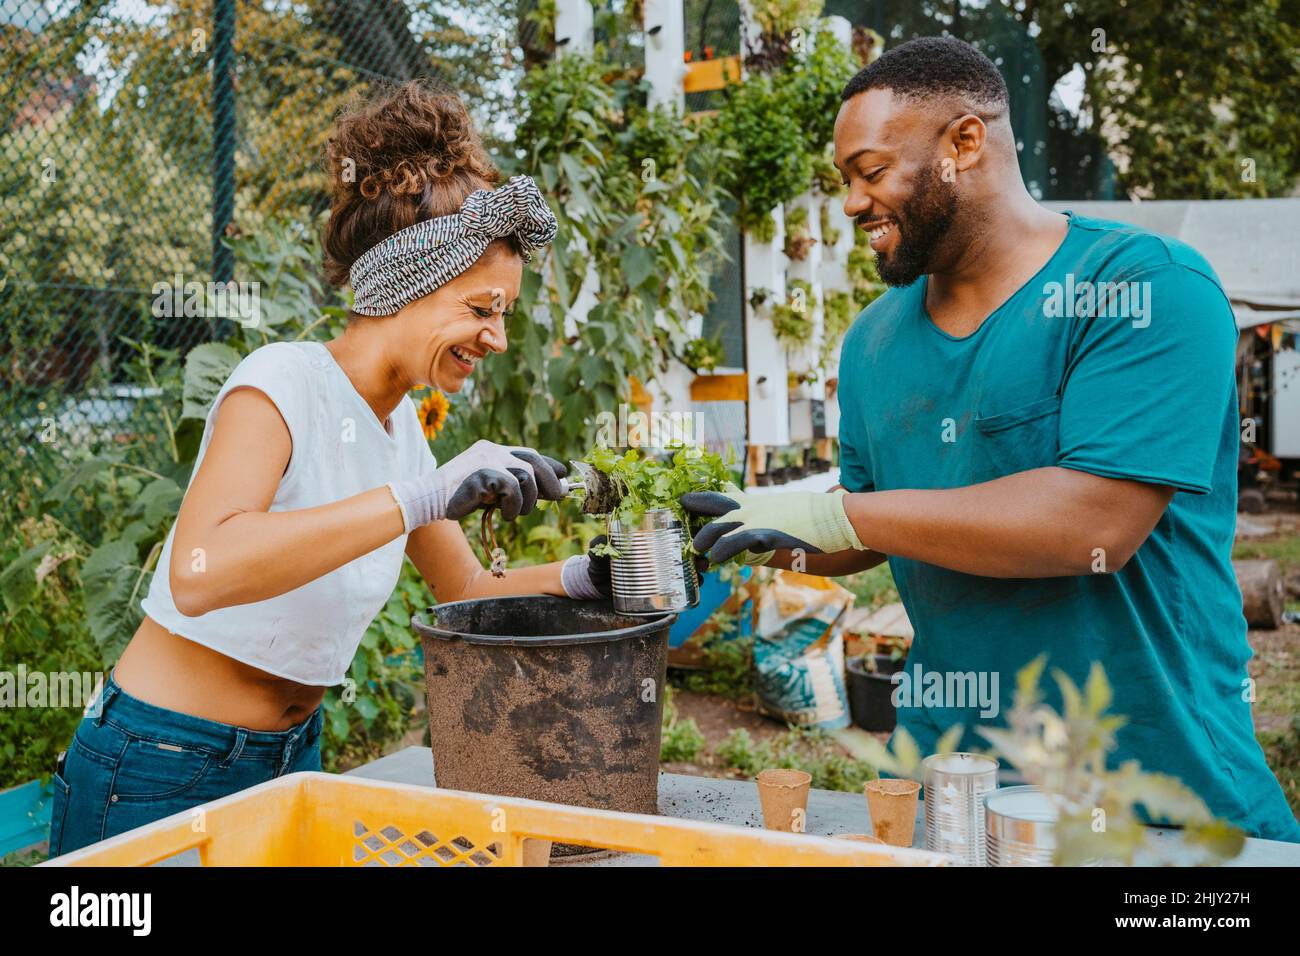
(230, 550)
(448, 565)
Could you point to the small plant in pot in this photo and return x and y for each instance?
(798, 241)
(870, 684)
(702, 356)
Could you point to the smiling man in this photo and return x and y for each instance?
(1038, 432)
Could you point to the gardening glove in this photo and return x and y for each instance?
(754, 559)
(586, 577)
(485, 474)
(813, 521)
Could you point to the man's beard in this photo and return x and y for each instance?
(922, 224)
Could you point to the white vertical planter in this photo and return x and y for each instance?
(574, 21)
(769, 399)
(835, 276)
(665, 70)
(665, 51)
(808, 270)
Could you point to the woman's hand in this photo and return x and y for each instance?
(486, 474)
(588, 577)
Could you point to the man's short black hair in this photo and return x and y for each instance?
(933, 66)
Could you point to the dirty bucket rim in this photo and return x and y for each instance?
(650, 625)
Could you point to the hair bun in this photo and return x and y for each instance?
(398, 155)
(405, 139)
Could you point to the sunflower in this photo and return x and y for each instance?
(433, 413)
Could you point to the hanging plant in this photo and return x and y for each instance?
(759, 122)
(782, 28)
(837, 316)
(830, 234)
(703, 355)
(779, 120)
(793, 325)
(798, 240)
(826, 178)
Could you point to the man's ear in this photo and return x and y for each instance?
(966, 138)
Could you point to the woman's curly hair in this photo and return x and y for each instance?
(396, 157)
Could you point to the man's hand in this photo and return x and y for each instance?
(813, 522)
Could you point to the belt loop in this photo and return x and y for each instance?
(241, 736)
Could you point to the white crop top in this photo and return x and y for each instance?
(340, 449)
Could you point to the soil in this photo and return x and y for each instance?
(1276, 669)
(717, 717)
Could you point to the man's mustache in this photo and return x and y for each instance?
(866, 223)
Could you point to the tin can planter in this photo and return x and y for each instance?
(1020, 827)
(652, 574)
(956, 785)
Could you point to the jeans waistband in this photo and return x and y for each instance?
(227, 741)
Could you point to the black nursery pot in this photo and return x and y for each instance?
(870, 692)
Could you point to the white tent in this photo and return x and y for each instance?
(1253, 245)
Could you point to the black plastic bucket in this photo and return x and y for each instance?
(870, 692)
(547, 699)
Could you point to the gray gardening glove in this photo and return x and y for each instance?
(508, 477)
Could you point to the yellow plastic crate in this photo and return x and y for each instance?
(320, 819)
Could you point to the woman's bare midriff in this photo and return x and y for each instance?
(166, 670)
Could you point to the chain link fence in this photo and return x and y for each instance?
(134, 135)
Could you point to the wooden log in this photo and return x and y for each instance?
(1262, 592)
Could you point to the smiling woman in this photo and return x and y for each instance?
(314, 479)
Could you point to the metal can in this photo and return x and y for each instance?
(651, 575)
(1020, 823)
(955, 787)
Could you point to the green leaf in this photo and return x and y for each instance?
(207, 367)
(1097, 690)
(18, 581)
(909, 754)
(638, 263)
(73, 480)
(109, 578)
(160, 499)
(576, 178)
(950, 740)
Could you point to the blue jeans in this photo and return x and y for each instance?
(131, 763)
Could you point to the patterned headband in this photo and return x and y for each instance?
(415, 261)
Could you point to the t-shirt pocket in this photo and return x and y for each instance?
(1021, 439)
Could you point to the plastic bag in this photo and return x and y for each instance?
(799, 650)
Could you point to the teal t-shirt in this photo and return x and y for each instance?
(1133, 380)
